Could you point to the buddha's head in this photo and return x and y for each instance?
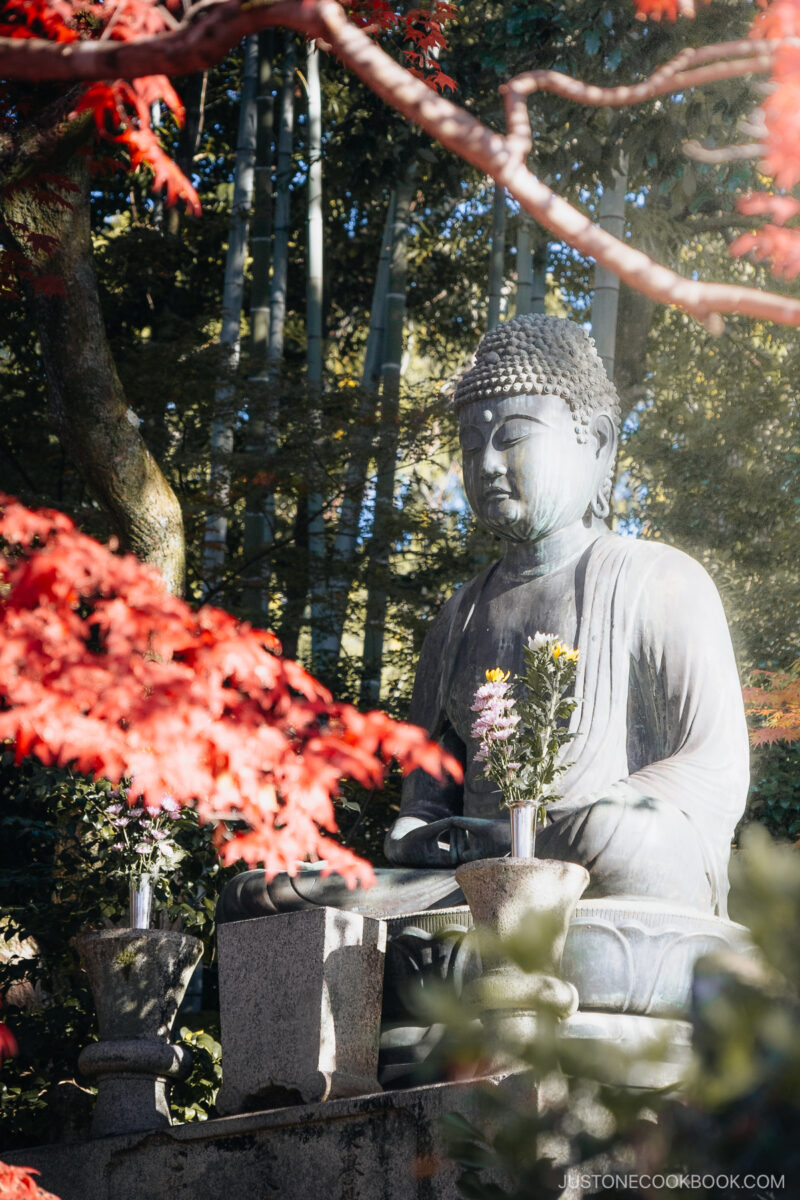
(538, 421)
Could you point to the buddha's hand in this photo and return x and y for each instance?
(447, 842)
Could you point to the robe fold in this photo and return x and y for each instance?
(659, 761)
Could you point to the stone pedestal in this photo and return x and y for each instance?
(387, 1146)
(632, 962)
(300, 1005)
(138, 978)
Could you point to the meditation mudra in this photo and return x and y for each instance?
(658, 769)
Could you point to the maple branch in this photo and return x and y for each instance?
(200, 39)
(722, 154)
(690, 68)
(212, 27)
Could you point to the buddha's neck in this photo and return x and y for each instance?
(552, 552)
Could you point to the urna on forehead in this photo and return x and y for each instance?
(540, 355)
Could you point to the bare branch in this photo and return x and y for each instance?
(690, 68)
(212, 27)
(503, 159)
(723, 154)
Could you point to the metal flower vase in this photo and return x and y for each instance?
(528, 902)
(523, 830)
(140, 901)
(138, 978)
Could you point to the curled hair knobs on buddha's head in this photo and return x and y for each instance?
(537, 355)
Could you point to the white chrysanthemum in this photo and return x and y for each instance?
(540, 640)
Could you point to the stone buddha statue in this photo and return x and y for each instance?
(658, 771)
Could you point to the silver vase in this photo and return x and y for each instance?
(141, 902)
(523, 830)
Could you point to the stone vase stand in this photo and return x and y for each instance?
(505, 894)
(138, 978)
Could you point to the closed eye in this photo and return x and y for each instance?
(515, 430)
(471, 440)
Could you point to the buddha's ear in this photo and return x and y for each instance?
(604, 433)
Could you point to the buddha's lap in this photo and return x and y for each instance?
(640, 847)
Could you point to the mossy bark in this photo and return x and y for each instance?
(87, 402)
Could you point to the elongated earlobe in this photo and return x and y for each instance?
(605, 435)
(601, 504)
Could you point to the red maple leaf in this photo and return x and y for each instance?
(774, 244)
(8, 1043)
(17, 1183)
(654, 10)
(779, 19)
(780, 208)
(101, 668)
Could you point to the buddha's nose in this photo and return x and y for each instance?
(493, 463)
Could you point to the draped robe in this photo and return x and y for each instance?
(659, 762)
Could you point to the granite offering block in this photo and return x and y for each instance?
(300, 1005)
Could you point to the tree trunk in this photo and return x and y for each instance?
(381, 540)
(259, 517)
(314, 275)
(193, 93)
(222, 430)
(294, 608)
(524, 264)
(361, 439)
(261, 239)
(296, 589)
(283, 179)
(376, 338)
(606, 285)
(497, 255)
(539, 281)
(87, 402)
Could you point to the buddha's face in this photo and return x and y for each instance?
(525, 472)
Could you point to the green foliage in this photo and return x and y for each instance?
(740, 1105)
(774, 799)
(55, 882)
(545, 707)
(193, 1099)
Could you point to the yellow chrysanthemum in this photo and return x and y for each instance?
(497, 675)
(561, 650)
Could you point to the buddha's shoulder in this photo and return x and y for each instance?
(653, 563)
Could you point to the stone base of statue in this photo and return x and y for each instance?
(632, 962)
(387, 1146)
(423, 951)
